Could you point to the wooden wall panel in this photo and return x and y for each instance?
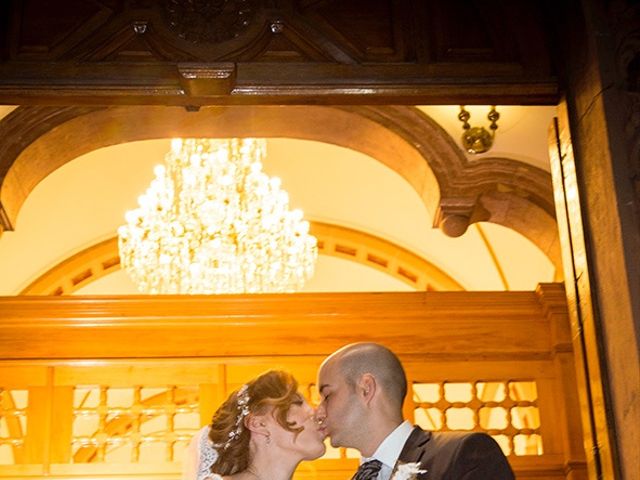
(200, 53)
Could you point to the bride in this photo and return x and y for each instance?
(261, 432)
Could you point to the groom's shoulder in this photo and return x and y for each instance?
(456, 440)
(460, 436)
(461, 442)
(456, 452)
(449, 441)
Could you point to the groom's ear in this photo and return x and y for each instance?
(367, 387)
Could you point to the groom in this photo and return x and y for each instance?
(362, 387)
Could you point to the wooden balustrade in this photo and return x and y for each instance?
(113, 387)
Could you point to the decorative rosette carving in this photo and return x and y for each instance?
(209, 21)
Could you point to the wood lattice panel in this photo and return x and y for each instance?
(147, 417)
(508, 411)
(13, 424)
(133, 425)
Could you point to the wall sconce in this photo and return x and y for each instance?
(478, 139)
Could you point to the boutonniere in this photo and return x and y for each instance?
(407, 471)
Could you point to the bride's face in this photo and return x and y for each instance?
(309, 443)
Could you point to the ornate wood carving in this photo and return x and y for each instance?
(293, 50)
(209, 21)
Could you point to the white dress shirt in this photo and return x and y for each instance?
(390, 449)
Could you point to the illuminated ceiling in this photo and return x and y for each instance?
(84, 201)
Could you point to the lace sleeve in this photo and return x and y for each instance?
(199, 458)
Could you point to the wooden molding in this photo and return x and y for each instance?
(207, 80)
(459, 325)
(586, 327)
(101, 259)
(400, 51)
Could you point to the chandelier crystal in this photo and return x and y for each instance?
(213, 222)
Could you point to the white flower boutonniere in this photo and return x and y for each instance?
(407, 471)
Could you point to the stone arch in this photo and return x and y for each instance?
(455, 191)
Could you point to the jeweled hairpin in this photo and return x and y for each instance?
(242, 400)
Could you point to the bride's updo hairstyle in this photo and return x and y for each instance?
(275, 388)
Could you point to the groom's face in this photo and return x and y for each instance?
(339, 409)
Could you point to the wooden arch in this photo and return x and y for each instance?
(103, 258)
(39, 140)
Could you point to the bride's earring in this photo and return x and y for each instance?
(268, 438)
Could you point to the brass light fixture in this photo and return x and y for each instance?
(477, 139)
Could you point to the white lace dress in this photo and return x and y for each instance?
(199, 457)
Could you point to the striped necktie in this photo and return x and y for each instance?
(368, 470)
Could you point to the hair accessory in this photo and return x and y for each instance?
(242, 399)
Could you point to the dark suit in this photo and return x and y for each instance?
(455, 456)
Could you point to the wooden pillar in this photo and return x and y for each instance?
(567, 404)
(212, 394)
(61, 424)
(599, 52)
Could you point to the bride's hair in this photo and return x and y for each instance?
(275, 388)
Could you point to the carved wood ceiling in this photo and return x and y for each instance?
(264, 51)
(73, 65)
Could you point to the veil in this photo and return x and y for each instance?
(199, 457)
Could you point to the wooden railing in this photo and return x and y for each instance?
(114, 387)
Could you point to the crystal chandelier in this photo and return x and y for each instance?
(213, 222)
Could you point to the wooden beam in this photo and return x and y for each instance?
(451, 325)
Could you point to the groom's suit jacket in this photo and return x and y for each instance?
(455, 456)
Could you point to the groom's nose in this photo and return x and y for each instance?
(320, 413)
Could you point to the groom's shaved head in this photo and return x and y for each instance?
(356, 359)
